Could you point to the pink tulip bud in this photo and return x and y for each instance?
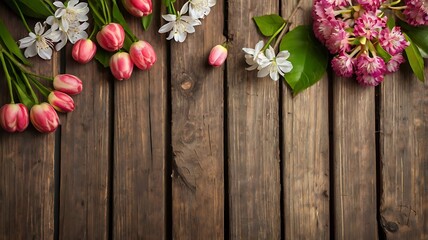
(121, 65)
(44, 117)
(138, 8)
(111, 37)
(217, 56)
(62, 102)
(142, 55)
(68, 83)
(83, 51)
(14, 117)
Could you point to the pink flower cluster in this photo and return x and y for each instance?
(416, 12)
(111, 38)
(14, 117)
(357, 34)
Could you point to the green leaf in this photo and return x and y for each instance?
(308, 56)
(269, 24)
(419, 35)
(382, 53)
(103, 57)
(415, 59)
(9, 43)
(31, 8)
(146, 20)
(391, 22)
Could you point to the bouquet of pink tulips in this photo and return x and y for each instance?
(111, 42)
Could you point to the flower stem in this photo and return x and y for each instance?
(171, 9)
(22, 68)
(273, 37)
(33, 94)
(22, 17)
(8, 78)
(45, 91)
(285, 29)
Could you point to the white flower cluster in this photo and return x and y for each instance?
(180, 24)
(67, 24)
(266, 62)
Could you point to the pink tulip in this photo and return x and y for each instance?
(14, 117)
(142, 55)
(121, 65)
(62, 102)
(138, 8)
(217, 56)
(44, 117)
(83, 51)
(111, 37)
(68, 83)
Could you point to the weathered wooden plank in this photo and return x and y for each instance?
(305, 152)
(197, 133)
(26, 165)
(253, 132)
(85, 155)
(140, 144)
(404, 155)
(354, 162)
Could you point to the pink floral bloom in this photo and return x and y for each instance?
(83, 51)
(369, 80)
(138, 8)
(338, 40)
(338, 3)
(369, 25)
(111, 37)
(62, 102)
(121, 65)
(416, 12)
(370, 5)
(142, 55)
(217, 56)
(393, 41)
(322, 10)
(343, 65)
(373, 66)
(68, 83)
(44, 117)
(394, 63)
(14, 117)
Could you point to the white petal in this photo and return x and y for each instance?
(61, 43)
(58, 4)
(45, 53)
(170, 17)
(167, 27)
(248, 51)
(184, 9)
(259, 46)
(274, 75)
(72, 3)
(286, 68)
(263, 72)
(39, 29)
(59, 12)
(270, 53)
(31, 51)
(283, 54)
(25, 42)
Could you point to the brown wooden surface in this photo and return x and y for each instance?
(197, 142)
(139, 189)
(305, 152)
(188, 151)
(26, 167)
(404, 156)
(253, 133)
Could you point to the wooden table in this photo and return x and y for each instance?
(187, 151)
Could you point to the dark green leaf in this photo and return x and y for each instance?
(382, 53)
(39, 7)
(269, 24)
(9, 43)
(103, 57)
(308, 56)
(146, 20)
(415, 59)
(419, 35)
(391, 22)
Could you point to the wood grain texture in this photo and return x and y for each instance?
(26, 164)
(403, 149)
(85, 155)
(197, 133)
(354, 160)
(140, 144)
(305, 152)
(253, 133)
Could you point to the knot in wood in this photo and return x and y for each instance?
(391, 226)
(186, 85)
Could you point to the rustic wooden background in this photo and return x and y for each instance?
(187, 151)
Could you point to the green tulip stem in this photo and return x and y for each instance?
(22, 67)
(285, 29)
(27, 83)
(22, 17)
(8, 78)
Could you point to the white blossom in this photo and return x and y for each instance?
(274, 65)
(199, 8)
(70, 14)
(253, 55)
(179, 25)
(39, 42)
